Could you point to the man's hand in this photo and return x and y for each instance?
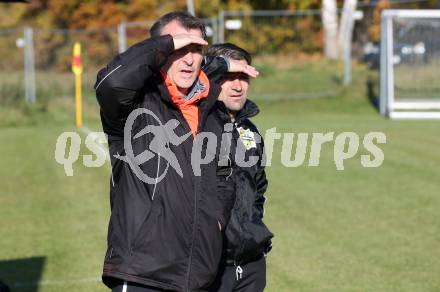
(238, 66)
(182, 40)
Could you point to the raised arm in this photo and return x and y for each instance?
(261, 182)
(121, 81)
(124, 79)
(216, 66)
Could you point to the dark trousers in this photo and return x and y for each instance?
(251, 279)
(133, 287)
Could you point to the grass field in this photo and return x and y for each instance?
(417, 80)
(361, 229)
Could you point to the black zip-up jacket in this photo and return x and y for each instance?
(247, 237)
(163, 234)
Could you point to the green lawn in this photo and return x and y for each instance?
(360, 229)
(417, 80)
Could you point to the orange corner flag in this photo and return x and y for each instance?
(76, 60)
(77, 70)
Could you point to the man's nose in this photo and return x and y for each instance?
(236, 85)
(188, 58)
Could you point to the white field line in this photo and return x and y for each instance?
(57, 282)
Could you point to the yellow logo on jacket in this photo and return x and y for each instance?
(247, 137)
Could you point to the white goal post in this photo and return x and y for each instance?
(410, 64)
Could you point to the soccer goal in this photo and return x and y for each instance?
(410, 64)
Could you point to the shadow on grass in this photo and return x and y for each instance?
(21, 274)
(373, 92)
(336, 79)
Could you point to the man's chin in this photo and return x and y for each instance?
(185, 84)
(234, 107)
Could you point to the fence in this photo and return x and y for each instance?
(130, 33)
(263, 33)
(38, 61)
(272, 31)
(12, 64)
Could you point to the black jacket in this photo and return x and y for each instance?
(163, 234)
(247, 237)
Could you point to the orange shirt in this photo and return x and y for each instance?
(189, 108)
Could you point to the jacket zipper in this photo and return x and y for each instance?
(192, 238)
(238, 271)
(197, 180)
(188, 276)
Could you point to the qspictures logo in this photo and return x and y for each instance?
(162, 138)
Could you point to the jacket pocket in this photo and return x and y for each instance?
(147, 229)
(115, 237)
(115, 225)
(207, 254)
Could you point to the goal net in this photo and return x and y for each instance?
(410, 64)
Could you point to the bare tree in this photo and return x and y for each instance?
(347, 23)
(330, 23)
(190, 7)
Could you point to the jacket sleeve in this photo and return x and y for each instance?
(215, 67)
(225, 194)
(121, 82)
(261, 183)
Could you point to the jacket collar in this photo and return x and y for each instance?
(249, 110)
(205, 105)
(198, 91)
